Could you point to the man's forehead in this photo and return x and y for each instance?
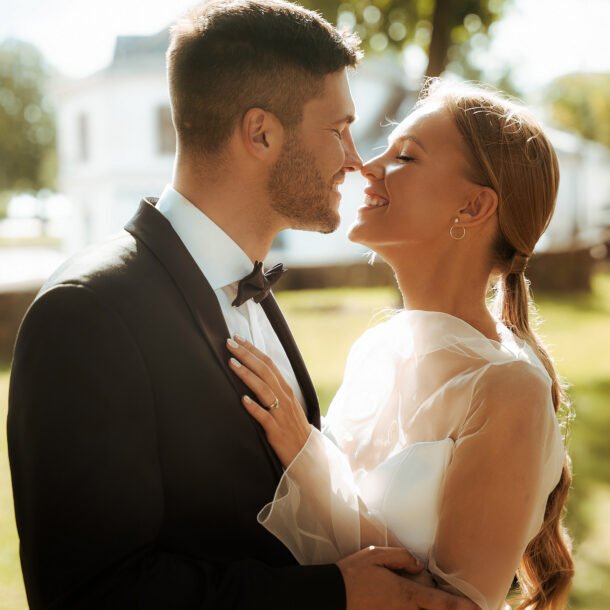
(335, 104)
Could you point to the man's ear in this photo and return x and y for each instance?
(261, 134)
(481, 205)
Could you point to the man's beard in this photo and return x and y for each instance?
(298, 191)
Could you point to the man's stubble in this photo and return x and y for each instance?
(298, 191)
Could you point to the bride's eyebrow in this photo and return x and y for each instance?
(407, 137)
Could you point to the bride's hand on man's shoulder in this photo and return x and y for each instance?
(276, 407)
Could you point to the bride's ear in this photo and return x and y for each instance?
(481, 206)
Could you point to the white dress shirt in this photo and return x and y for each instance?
(224, 263)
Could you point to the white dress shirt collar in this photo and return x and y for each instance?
(220, 259)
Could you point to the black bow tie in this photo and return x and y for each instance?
(256, 285)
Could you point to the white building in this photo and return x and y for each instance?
(116, 144)
(116, 141)
(582, 213)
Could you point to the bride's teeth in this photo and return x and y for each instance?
(374, 202)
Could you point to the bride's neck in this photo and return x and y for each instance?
(448, 288)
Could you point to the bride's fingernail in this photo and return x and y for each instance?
(232, 343)
(247, 399)
(235, 363)
(240, 338)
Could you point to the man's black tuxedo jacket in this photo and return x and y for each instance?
(137, 473)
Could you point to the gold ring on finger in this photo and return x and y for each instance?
(274, 405)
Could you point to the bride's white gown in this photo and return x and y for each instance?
(438, 438)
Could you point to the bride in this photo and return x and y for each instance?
(443, 437)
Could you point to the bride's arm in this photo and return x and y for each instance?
(507, 459)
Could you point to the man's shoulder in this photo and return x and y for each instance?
(100, 265)
(110, 276)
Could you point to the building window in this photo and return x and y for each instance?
(165, 130)
(82, 129)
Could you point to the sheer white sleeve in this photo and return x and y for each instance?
(317, 512)
(507, 459)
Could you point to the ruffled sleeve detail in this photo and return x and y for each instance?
(316, 511)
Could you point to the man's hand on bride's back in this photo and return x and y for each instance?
(371, 582)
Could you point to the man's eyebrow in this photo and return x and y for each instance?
(407, 137)
(349, 119)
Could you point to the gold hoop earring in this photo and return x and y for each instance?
(455, 226)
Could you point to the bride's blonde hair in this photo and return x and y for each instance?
(509, 152)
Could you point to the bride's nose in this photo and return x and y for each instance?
(374, 169)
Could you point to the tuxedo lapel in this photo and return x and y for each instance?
(152, 228)
(282, 330)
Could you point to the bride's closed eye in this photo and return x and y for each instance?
(405, 158)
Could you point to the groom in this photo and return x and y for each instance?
(137, 474)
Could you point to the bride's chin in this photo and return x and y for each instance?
(354, 234)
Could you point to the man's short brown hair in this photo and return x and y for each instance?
(227, 56)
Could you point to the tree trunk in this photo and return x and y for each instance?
(441, 38)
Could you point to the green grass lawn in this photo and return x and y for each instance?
(12, 595)
(578, 329)
(325, 323)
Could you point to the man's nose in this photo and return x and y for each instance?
(352, 162)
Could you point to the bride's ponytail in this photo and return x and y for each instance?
(546, 568)
(509, 152)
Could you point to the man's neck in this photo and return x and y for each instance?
(240, 212)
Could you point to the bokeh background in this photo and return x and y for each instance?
(85, 131)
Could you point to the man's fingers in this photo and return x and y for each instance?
(435, 599)
(395, 559)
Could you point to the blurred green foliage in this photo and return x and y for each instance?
(27, 123)
(581, 103)
(447, 30)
